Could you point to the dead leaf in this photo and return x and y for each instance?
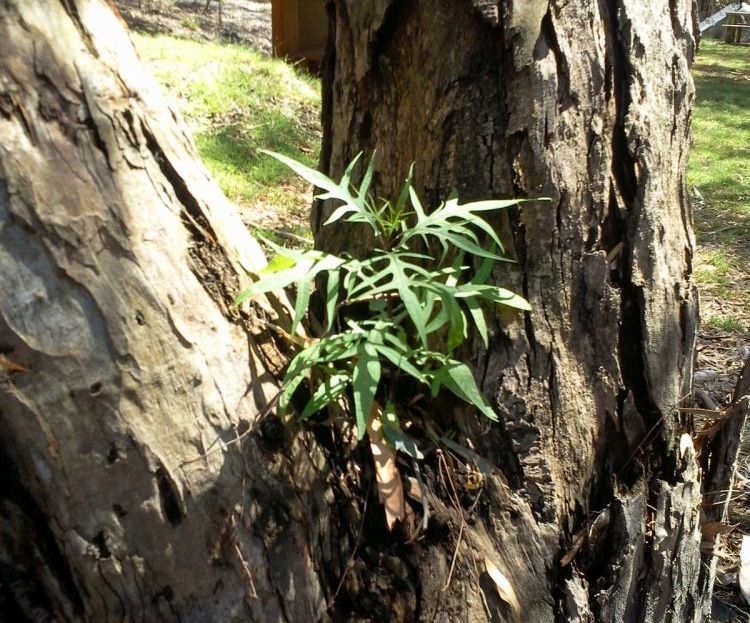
(11, 366)
(504, 587)
(388, 478)
(414, 490)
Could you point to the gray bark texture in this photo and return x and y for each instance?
(597, 515)
(144, 476)
(125, 495)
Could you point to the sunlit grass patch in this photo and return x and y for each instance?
(719, 178)
(237, 103)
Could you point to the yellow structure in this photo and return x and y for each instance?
(300, 28)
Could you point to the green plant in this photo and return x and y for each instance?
(386, 315)
(729, 324)
(189, 23)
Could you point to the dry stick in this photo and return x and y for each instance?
(455, 556)
(292, 236)
(737, 497)
(717, 413)
(649, 436)
(727, 228)
(442, 462)
(246, 571)
(296, 340)
(647, 439)
(425, 504)
(481, 592)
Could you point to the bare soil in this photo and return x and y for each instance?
(237, 21)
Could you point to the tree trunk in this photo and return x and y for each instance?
(588, 104)
(126, 378)
(145, 477)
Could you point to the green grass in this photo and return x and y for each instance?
(728, 324)
(714, 270)
(720, 173)
(238, 102)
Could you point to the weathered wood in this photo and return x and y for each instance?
(589, 104)
(125, 494)
(707, 10)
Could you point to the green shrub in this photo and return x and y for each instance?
(412, 301)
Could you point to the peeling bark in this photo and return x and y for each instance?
(125, 494)
(588, 104)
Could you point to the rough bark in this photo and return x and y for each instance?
(587, 103)
(118, 256)
(122, 362)
(722, 439)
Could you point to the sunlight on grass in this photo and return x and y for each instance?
(720, 160)
(728, 324)
(713, 270)
(238, 102)
(719, 178)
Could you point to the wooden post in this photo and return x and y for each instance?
(300, 28)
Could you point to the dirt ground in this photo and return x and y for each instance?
(237, 21)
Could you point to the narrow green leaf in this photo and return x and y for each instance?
(316, 178)
(511, 299)
(401, 361)
(274, 282)
(290, 386)
(416, 204)
(477, 315)
(346, 178)
(413, 307)
(457, 378)
(438, 321)
(340, 212)
(457, 323)
(365, 380)
(364, 187)
(405, 189)
(332, 297)
(304, 360)
(488, 204)
(304, 286)
(278, 263)
(325, 394)
(483, 272)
